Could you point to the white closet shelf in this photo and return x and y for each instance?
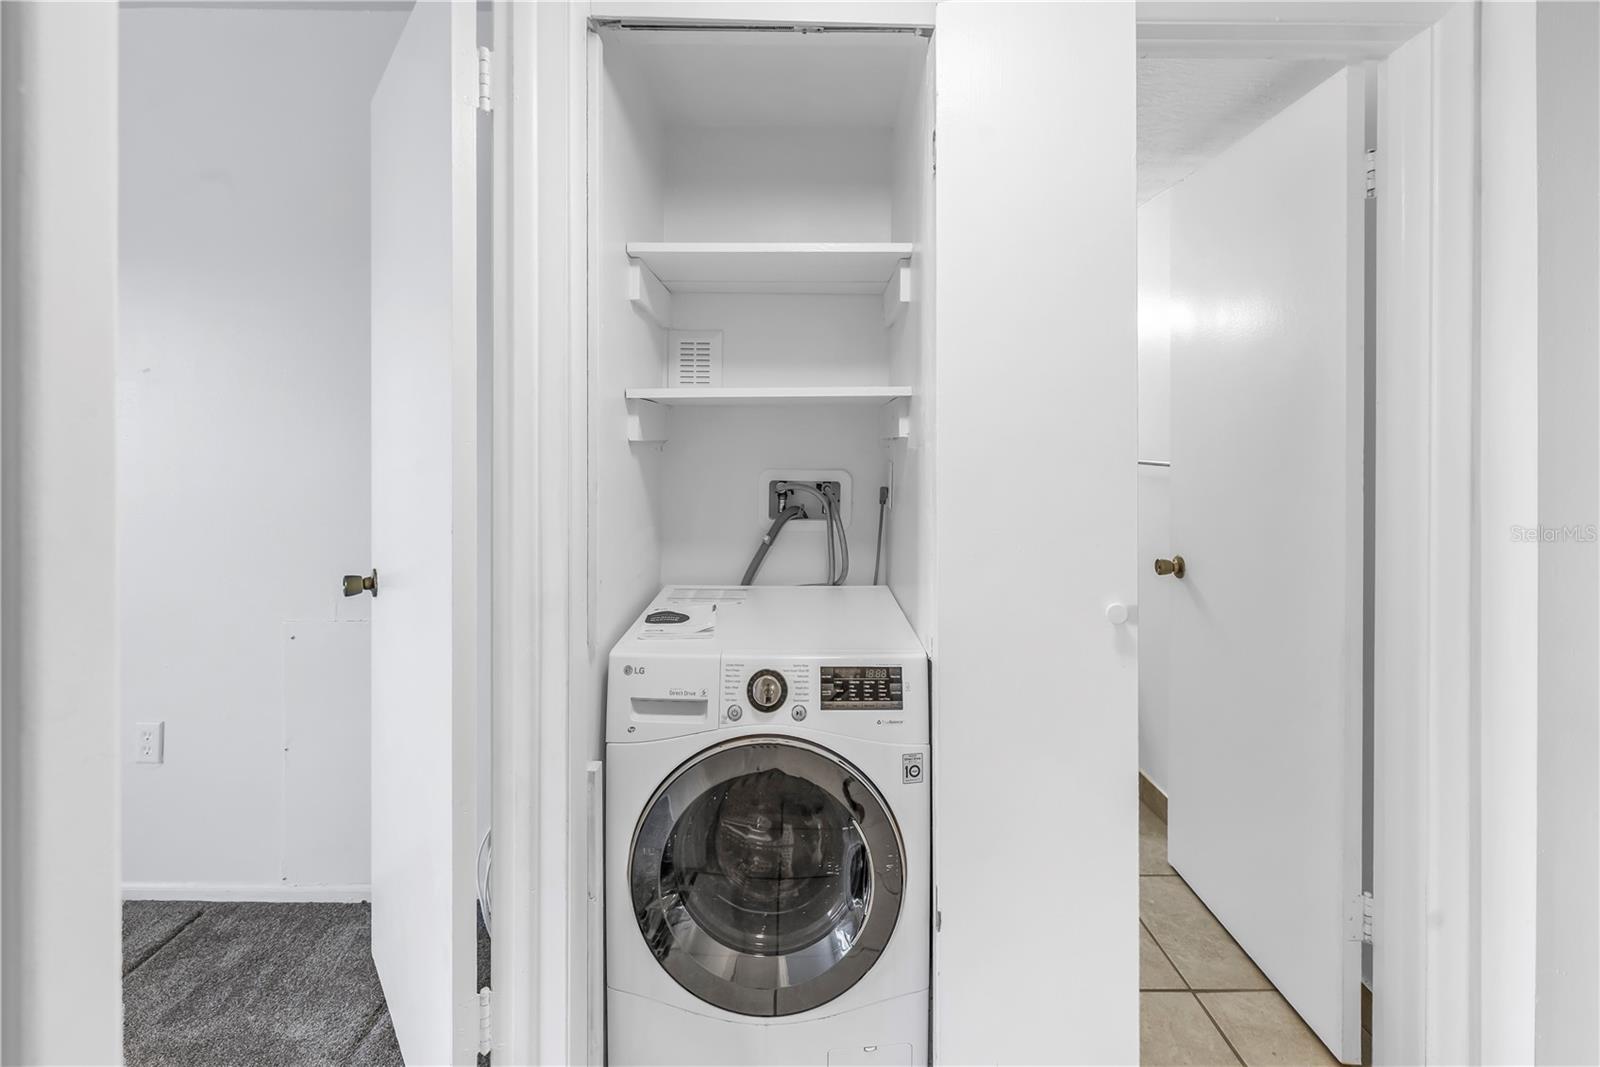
(710, 267)
(781, 396)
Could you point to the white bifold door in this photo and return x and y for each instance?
(1267, 511)
(424, 534)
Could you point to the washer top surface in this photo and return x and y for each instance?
(784, 619)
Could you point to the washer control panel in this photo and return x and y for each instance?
(753, 692)
(847, 688)
(862, 697)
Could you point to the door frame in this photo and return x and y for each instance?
(1425, 958)
(60, 924)
(1425, 620)
(539, 800)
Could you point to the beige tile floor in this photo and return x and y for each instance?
(1201, 1000)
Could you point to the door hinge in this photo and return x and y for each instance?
(1372, 173)
(1358, 919)
(485, 76)
(485, 1021)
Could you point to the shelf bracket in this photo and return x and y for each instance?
(897, 419)
(897, 294)
(647, 422)
(648, 294)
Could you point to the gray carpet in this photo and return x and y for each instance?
(256, 984)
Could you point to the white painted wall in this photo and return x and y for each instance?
(1509, 662)
(1537, 867)
(909, 538)
(712, 496)
(1567, 1025)
(624, 527)
(712, 500)
(776, 183)
(60, 973)
(1037, 373)
(1155, 506)
(243, 446)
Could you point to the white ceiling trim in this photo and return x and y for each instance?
(1226, 29)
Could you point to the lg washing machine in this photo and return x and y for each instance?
(768, 830)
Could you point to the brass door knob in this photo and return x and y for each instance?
(355, 584)
(1173, 566)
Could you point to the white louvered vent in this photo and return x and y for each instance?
(694, 358)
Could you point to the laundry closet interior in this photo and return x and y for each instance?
(759, 250)
(759, 378)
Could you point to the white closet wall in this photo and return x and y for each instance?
(909, 538)
(626, 348)
(243, 435)
(776, 183)
(1566, 1026)
(1510, 607)
(1035, 715)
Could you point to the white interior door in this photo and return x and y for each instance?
(1267, 512)
(424, 539)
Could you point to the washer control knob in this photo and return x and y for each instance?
(735, 713)
(799, 712)
(768, 690)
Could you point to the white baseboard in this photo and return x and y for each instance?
(1152, 796)
(276, 892)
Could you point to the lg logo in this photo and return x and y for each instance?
(630, 670)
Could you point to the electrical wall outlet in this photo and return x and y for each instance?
(149, 742)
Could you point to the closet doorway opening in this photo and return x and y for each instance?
(1260, 261)
(305, 782)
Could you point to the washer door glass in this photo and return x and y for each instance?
(766, 875)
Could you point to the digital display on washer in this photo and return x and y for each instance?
(862, 689)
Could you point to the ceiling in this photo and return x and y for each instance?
(714, 78)
(1190, 110)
